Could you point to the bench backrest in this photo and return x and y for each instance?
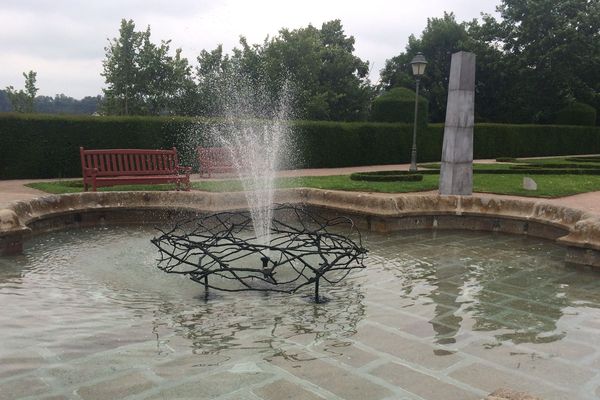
(112, 162)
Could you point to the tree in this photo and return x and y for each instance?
(439, 40)
(4, 102)
(23, 100)
(555, 48)
(211, 75)
(142, 77)
(120, 71)
(328, 81)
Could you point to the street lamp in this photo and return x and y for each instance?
(418, 65)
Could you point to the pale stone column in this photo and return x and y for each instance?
(456, 174)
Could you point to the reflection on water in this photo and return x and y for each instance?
(515, 286)
(511, 285)
(77, 294)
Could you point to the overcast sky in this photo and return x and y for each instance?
(64, 40)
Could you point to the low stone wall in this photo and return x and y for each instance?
(577, 230)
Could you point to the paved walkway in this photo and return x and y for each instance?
(14, 190)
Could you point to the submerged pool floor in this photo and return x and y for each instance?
(436, 315)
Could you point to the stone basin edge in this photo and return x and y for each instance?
(578, 230)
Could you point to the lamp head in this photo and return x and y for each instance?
(418, 65)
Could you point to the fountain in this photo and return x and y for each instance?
(251, 248)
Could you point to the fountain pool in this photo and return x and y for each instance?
(435, 315)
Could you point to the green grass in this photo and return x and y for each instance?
(548, 185)
(511, 184)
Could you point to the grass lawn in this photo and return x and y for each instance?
(548, 185)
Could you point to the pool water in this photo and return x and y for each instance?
(86, 314)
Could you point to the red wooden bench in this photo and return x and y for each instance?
(215, 159)
(111, 167)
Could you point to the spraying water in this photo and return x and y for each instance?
(256, 133)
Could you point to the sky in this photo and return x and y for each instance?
(64, 40)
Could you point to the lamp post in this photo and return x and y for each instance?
(418, 65)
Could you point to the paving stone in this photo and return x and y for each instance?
(419, 327)
(334, 379)
(507, 394)
(426, 386)
(406, 349)
(190, 364)
(347, 354)
(19, 364)
(116, 388)
(285, 390)
(19, 388)
(528, 362)
(565, 349)
(211, 386)
(488, 378)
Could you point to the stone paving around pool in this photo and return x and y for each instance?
(427, 327)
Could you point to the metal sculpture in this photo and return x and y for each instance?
(221, 252)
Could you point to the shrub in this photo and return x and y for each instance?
(577, 114)
(590, 159)
(398, 105)
(509, 140)
(387, 176)
(44, 146)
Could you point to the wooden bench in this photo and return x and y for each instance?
(215, 159)
(110, 167)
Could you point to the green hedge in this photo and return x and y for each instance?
(577, 114)
(42, 146)
(387, 176)
(508, 140)
(398, 105)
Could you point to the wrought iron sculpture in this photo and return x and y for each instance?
(301, 249)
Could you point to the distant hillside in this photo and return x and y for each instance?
(59, 104)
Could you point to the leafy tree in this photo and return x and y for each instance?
(5, 105)
(328, 80)
(120, 70)
(211, 74)
(23, 100)
(142, 77)
(554, 49)
(439, 40)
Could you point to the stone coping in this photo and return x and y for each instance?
(582, 228)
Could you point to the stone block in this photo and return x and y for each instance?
(116, 388)
(406, 349)
(459, 112)
(283, 389)
(337, 380)
(463, 74)
(426, 386)
(456, 178)
(507, 394)
(456, 174)
(529, 184)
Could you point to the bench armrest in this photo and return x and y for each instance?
(90, 172)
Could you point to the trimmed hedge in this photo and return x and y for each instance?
(398, 105)
(577, 114)
(387, 176)
(590, 159)
(511, 140)
(45, 146)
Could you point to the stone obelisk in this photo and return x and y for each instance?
(456, 174)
